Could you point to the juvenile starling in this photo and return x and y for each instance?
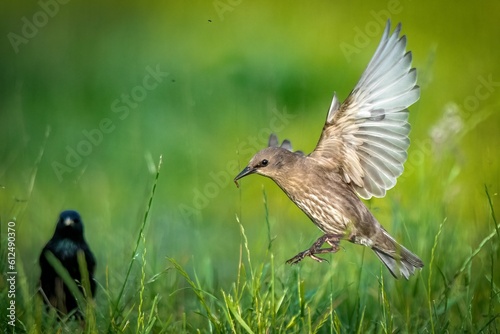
(65, 244)
(361, 151)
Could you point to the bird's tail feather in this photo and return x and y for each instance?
(399, 260)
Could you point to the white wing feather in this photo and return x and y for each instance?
(367, 136)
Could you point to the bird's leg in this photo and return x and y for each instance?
(331, 239)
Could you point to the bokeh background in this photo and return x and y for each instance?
(227, 74)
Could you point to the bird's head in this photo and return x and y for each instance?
(267, 162)
(70, 225)
(272, 162)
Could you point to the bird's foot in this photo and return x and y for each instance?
(299, 257)
(332, 239)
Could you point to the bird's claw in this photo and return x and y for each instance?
(332, 240)
(299, 257)
(314, 257)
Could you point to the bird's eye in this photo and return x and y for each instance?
(264, 163)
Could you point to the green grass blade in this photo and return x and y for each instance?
(429, 282)
(67, 279)
(239, 318)
(139, 238)
(200, 294)
(245, 243)
(268, 223)
(492, 211)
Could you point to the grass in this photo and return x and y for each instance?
(219, 265)
(270, 298)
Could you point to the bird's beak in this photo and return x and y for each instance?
(68, 221)
(247, 171)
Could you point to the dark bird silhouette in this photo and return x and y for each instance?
(66, 243)
(361, 151)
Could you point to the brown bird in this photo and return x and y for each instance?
(361, 151)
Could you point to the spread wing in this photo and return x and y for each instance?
(366, 137)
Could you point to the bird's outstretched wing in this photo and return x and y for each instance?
(366, 137)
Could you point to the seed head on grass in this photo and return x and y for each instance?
(65, 245)
(361, 152)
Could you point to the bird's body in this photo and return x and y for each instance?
(335, 202)
(68, 240)
(361, 152)
(335, 208)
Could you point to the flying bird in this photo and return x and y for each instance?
(68, 240)
(360, 153)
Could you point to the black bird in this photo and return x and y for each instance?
(66, 243)
(360, 153)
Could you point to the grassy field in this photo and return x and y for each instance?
(92, 95)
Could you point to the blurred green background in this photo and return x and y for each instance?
(228, 68)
